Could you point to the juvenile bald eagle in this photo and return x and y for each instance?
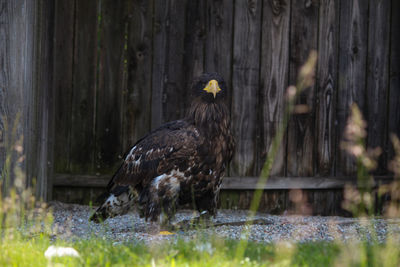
(181, 162)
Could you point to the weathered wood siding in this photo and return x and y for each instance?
(81, 81)
(26, 94)
(394, 76)
(124, 67)
(353, 44)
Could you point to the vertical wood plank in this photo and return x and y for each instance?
(41, 159)
(84, 87)
(301, 131)
(394, 79)
(274, 77)
(174, 101)
(167, 77)
(26, 94)
(328, 52)
(219, 39)
(175, 93)
(137, 97)
(5, 94)
(111, 84)
(17, 19)
(353, 42)
(160, 33)
(62, 75)
(245, 84)
(193, 61)
(378, 78)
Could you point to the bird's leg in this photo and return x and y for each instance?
(207, 206)
(204, 219)
(167, 214)
(165, 221)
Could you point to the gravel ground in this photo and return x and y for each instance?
(71, 222)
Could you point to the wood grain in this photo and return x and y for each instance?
(168, 50)
(301, 130)
(279, 183)
(394, 77)
(137, 96)
(219, 40)
(41, 116)
(26, 95)
(158, 78)
(273, 202)
(62, 77)
(111, 81)
(16, 84)
(352, 72)
(328, 53)
(111, 85)
(245, 84)
(82, 195)
(236, 183)
(378, 77)
(84, 87)
(279, 202)
(274, 78)
(193, 60)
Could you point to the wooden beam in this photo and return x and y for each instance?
(111, 85)
(26, 94)
(301, 133)
(326, 91)
(80, 180)
(84, 95)
(17, 19)
(378, 61)
(137, 106)
(245, 85)
(274, 80)
(285, 183)
(62, 81)
(168, 93)
(353, 40)
(235, 183)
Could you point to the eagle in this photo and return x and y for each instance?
(182, 162)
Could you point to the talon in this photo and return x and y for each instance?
(166, 233)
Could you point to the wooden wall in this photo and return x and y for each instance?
(26, 95)
(122, 68)
(81, 81)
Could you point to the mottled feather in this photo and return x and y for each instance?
(182, 162)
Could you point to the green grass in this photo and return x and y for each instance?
(27, 247)
(217, 252)
(19, 251)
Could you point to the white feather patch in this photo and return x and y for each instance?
(158, 180)
(174, 184)
(171, 179)
(132, 151)
(112, 199)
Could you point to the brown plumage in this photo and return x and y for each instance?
(181, 162)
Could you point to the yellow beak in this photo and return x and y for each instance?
(212, 87)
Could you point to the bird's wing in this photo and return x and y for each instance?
(169, 147)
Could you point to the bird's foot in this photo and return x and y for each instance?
(201, 221)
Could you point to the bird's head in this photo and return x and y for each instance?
(210, 87)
